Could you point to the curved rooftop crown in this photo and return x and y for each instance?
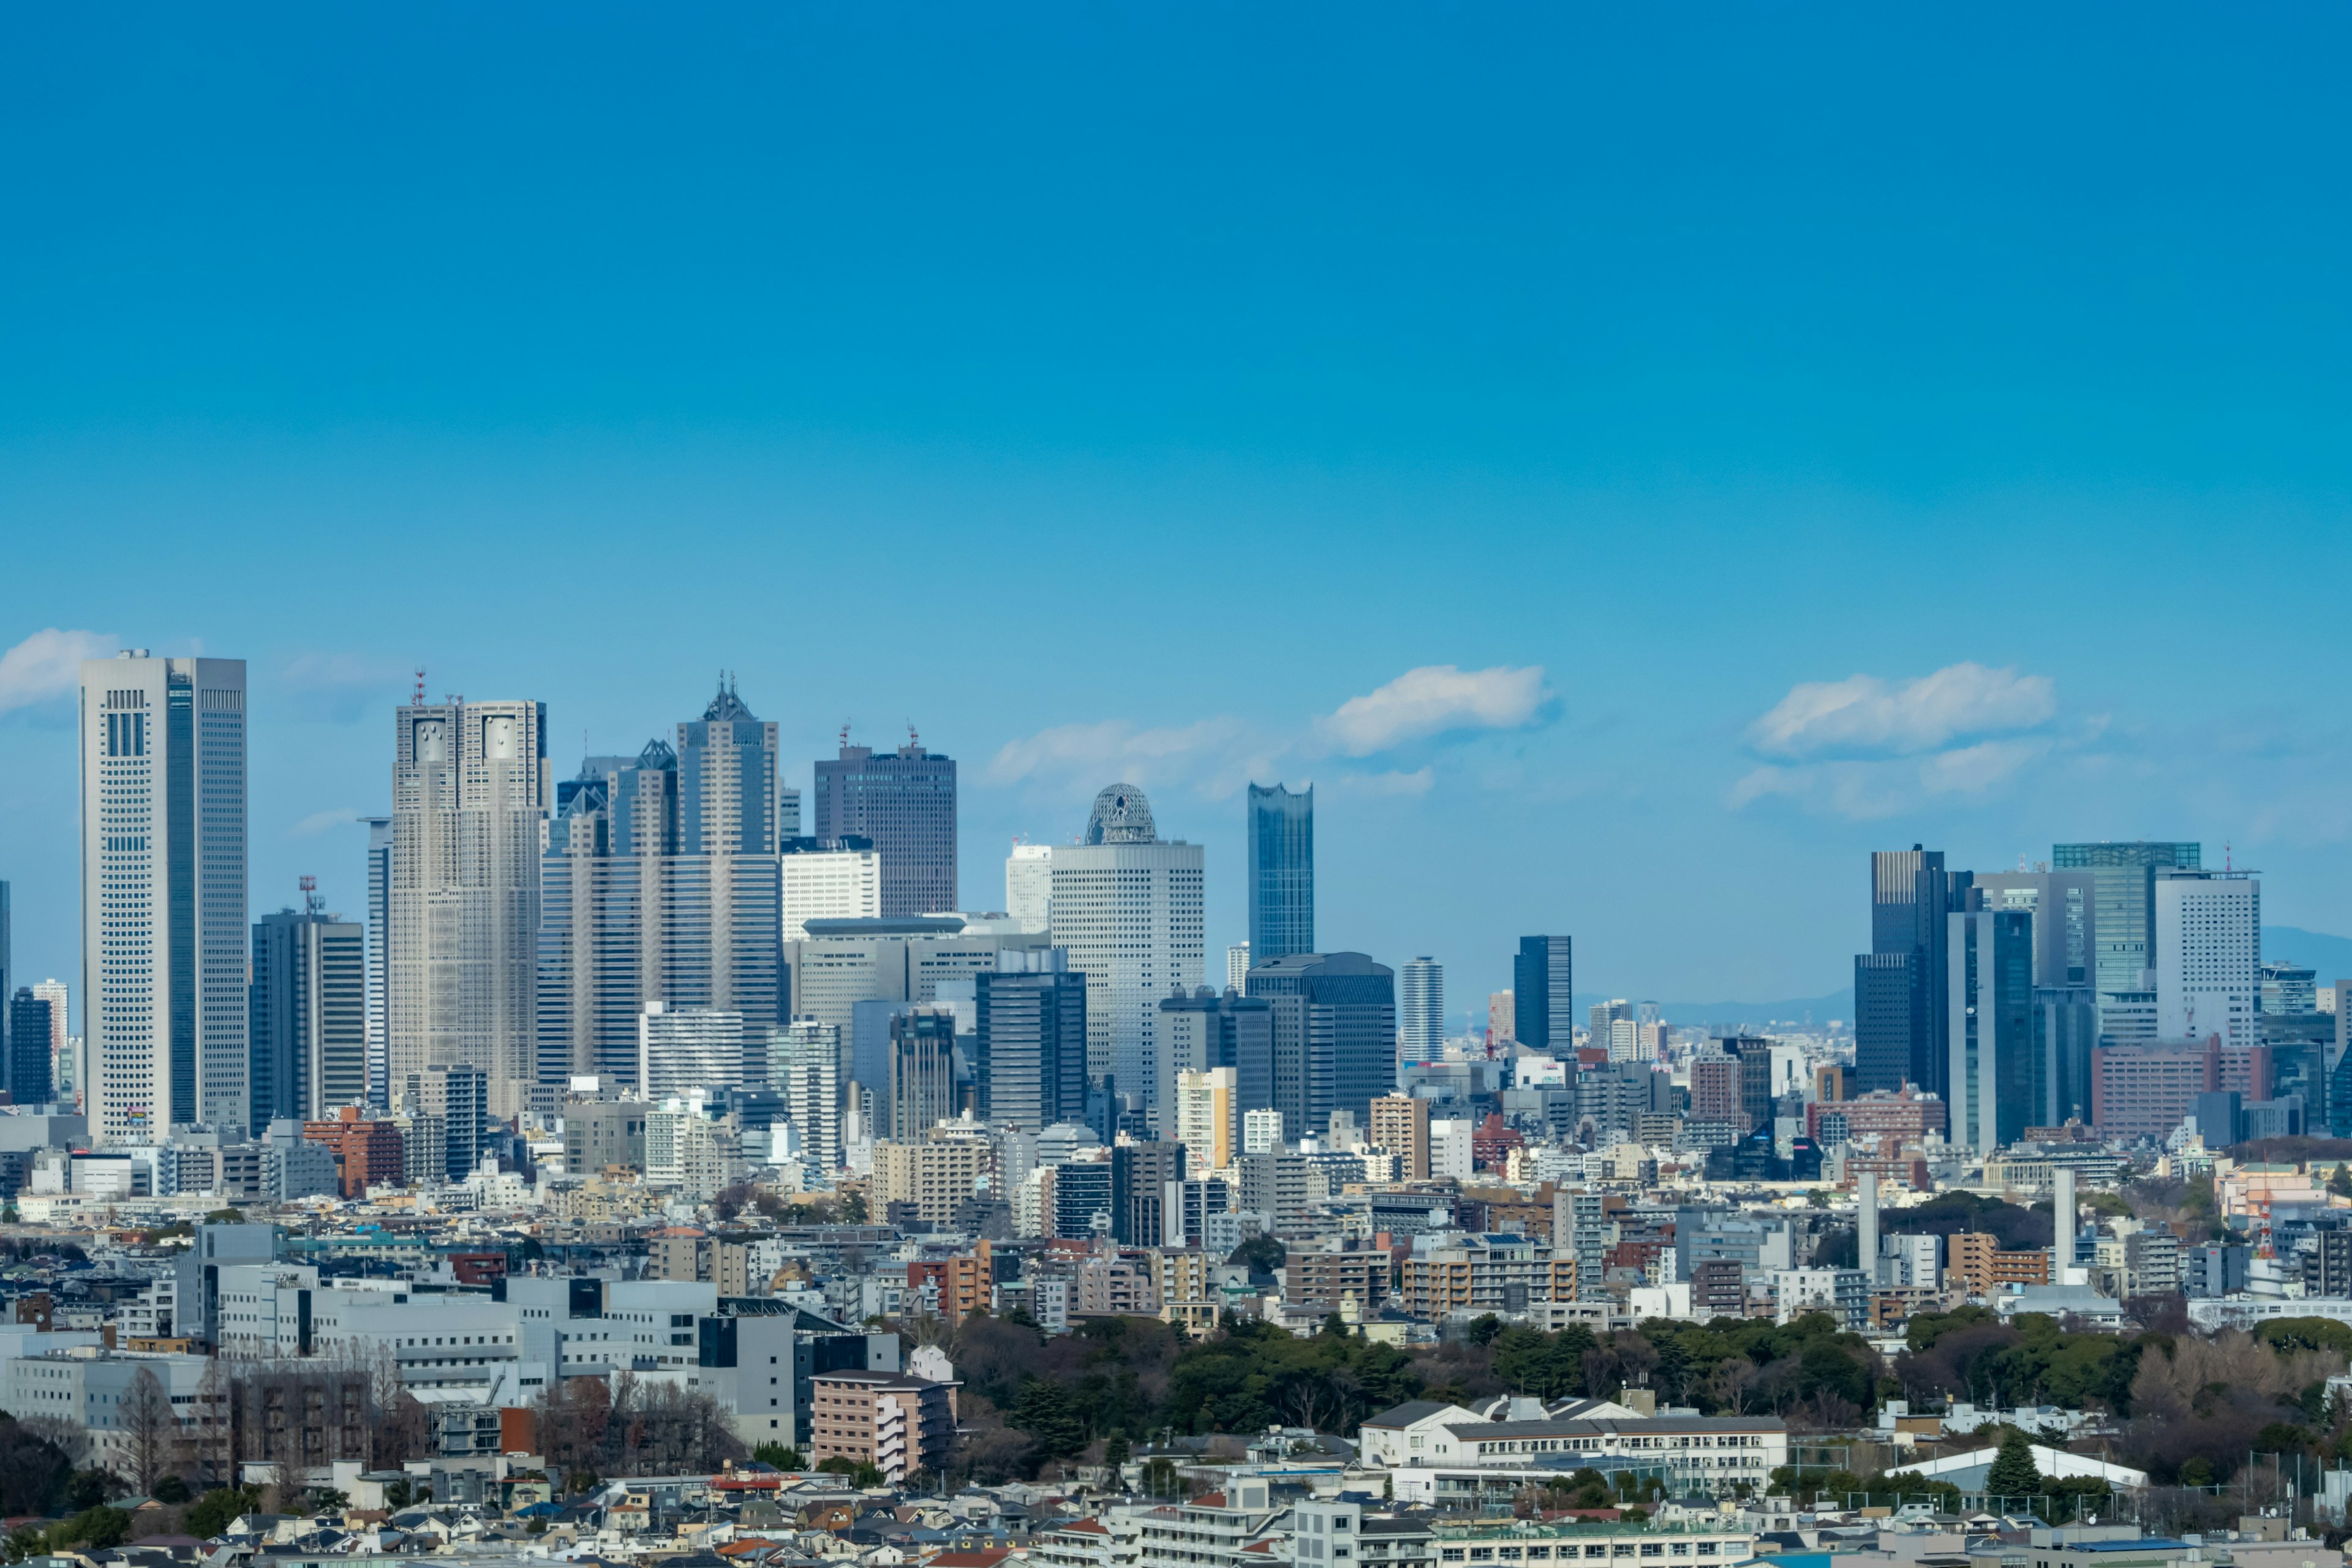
(1122, 816)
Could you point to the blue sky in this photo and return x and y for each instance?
(1804, 429)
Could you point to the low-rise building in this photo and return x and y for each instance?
(894, 1421)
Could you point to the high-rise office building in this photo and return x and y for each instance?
(1204, 1031)
(1501, 1018)
(2123, 877)
(163, 889)
(906, 804)
(379, 924)
(1127, 905)
(1421, 1009)
(681, 1049)
(1140, 1175)
(61, 1065)
(1543, 992)
(2064, 907)
(922, 1072)
(470, 790)
(1029, 885)
(841, 969)
(1334, 1036)
(2290, 989)
(1900, 985)
(1237, 961)
(804, 1066)
(1281, 871)
(1991, 1074)
(1030, 1065)
(28, 1048)
(454, 1097)
(2066, 1032)
(661, 883)
(828, 880)
(2207, 952)
(307, 1016)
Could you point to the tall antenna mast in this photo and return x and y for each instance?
(419, 699)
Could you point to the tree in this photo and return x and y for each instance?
(2013, 1473)
(1043, 1411)
(218, 1509)
(1116, 1451)
(172, 1490)
(149, 1430)
(1259, 1252)
(2340, 1183)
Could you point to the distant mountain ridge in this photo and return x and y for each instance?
(2329, 956)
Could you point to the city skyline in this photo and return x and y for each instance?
(1408, 356)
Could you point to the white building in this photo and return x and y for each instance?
(688, 1151)
(2208, 954)
(804, 1066)
(1128, 907)
(92, 1387)
(829, 880)
(1428, 1444)
(1237, 966)
(1029, 885)
(163, 892)
(681, 1049)
(1421, 1009)
(1449, 1147)
(470, 789)
(1261, 1130)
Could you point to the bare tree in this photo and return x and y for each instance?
(150, 1431)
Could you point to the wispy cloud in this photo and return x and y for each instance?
(340, 688)
(1214, 754)
(1432, 700)
(1867, 747)
(1864, 715)
(48, 665)
(318, 822)
(1418, 781)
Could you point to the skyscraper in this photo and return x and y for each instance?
(470, 788)
(2208, 955)
(1206, 1031)
(1334, 1036)
(2064, 905)
(828, 878)
(1127, 905)
(61, 1066)
(2124, 877)
(1031, 1040)
(1029, 885)
(163, 884)
(905, 803)
(922, 1072)
(1900, 1012)
(28, 1048)
(1237, 961)
(681, 1049)
(1421, 1009)
(8, 981)
(1992, 1076)
(1543, 992)
(379, 926)
(1281, 871)
(307, 1015)
(804, 1066)
(661, 883)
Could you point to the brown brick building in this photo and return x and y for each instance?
(897, 1423)
(366, 1152)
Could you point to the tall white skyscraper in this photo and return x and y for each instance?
(379, 920)
(1029, 885)
(1128, 907)
(804, 1066)
(1421, 1009)
(2208, 954)
(470, 788)
(1237, 966)
(840, 882)
(163, 891)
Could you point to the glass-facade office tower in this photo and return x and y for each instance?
(1031, 1041)
(1127, 905)
(661, 883)
(164, 886)
(307, 1011)
(1421, 1009)
(1281, 871)
(1901, 1029)
(2122, 876)
(1334, 1036)
(8, 981)
(1543, 992)
(1997, 1089)
(1205, 1030)
(379, 923)
(906, 804)
(470, 789)
(28, 1048)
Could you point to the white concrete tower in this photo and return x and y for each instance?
(1866, 1255)
(164, 893)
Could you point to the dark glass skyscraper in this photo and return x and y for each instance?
(1334, 1036)
(905, 803)
(28, 1048)
(1901, 1029)
(1031, 1041)
(1281, 872)
(1543, 985)
(307, 1017)
(2124, 920)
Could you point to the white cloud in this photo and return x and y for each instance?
(1864, 715)
(48, 665)
(1431, 701)
(1214, 755)
(1417, 782)
(318, 822)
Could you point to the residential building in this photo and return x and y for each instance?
(827, 879)
(2123, 879)
(470, 792)
(1990, 988)
(163, 891)
(1237, 965)
(367, 1153)
(681, 1049)
(1421, 1009)
(896, 1422)
(1502, 1017)
(934, 1174)
(1230, 1529)
(456, 1095)
(307, 1024)
(1281, 871)
(804, 1066)
(1127, 905)
(1320, 1280)
(1399, 1124)
(1496, 1273)
(1081, 1199)
(602, 1134)
(1895, 1117)
(1334, 1036)
(1029, 1067)
(2208, 955)
(1206, 1123)
(1543, 975)
(1323, 1532)
(1029, 886)
(903, 803)
(952, 1287)
(1976, 1262)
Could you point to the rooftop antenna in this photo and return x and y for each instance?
(420, 685)
(845, 734)
(2227, 864)
(913, 739)
(312, 904)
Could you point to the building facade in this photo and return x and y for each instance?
(903, 803)
(1281, 871)
(2123, 880)
(1543, 992)
(1421, 1009)
(1030, 1040)
(1989, 987)
(307, 1022)
(2208, 955)
(1334, 1036)
(164, 893)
